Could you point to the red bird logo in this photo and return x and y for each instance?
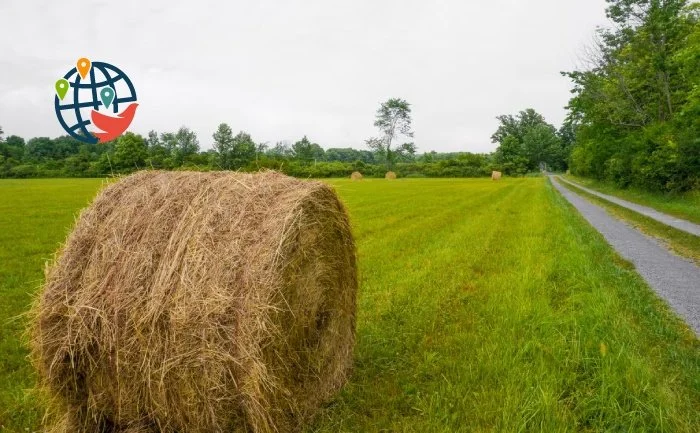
(112, 126)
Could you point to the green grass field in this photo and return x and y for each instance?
(686, 206)
(484, 306)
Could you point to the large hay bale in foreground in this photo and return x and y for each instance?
(199, 302)
(390, 175)
(356, 175)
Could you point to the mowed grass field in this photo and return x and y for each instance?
(484, 306)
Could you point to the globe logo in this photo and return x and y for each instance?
(89, 98)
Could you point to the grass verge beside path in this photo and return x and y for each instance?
(682, 243)
(686, 205)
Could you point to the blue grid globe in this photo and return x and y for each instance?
(73, 112)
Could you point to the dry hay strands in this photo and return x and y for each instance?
(356, 175)
(496, 175)
(390, 175)
(198, 302)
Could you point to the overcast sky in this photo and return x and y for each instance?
(282, 69)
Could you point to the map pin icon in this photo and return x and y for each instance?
(83, 67)
(107, 96)
(62, 86)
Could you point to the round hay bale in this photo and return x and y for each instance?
(356, 175)
(199, 302)
(390, 175)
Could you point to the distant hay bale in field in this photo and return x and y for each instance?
(390, 175)
(356, 175)
(495, 175)
(198, 302)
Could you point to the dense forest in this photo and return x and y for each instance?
(634, 120)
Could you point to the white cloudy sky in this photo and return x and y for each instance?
(282, 69)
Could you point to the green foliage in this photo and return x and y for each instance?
(185, 146)
(528, 143)
(158, 154)
(12, 147)
(39, 158)
(637, 106)
(67, 157)
(223, 145)
(130, 152)
(40, 149)
(306, 151)
(243, 150)
(393, 119)
(349, 155)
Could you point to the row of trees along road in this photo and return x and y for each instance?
(636, 103)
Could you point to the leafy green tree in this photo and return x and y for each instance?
(12, 148)
(79, 164)
(343, 154)
(527, 143)
(567, 137)
(306, 151)
(280, 150)
(169, 142)
(631, 103)
(130, 152)
(393, 119)
(186, 145)
(517, 126)
(429, 156)
(510, 156)
(243, 150)
(261, 149)
(543, 148)
(223, 145)
(158, 154)
(379, 149)
(39, 149)
(152, 139)
(64, 146)
(405, 153)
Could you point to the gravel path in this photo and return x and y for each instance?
(673, 278)
(661, 217)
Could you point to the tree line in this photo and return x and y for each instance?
(636, 104)
(634, 119)
(67, 157)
